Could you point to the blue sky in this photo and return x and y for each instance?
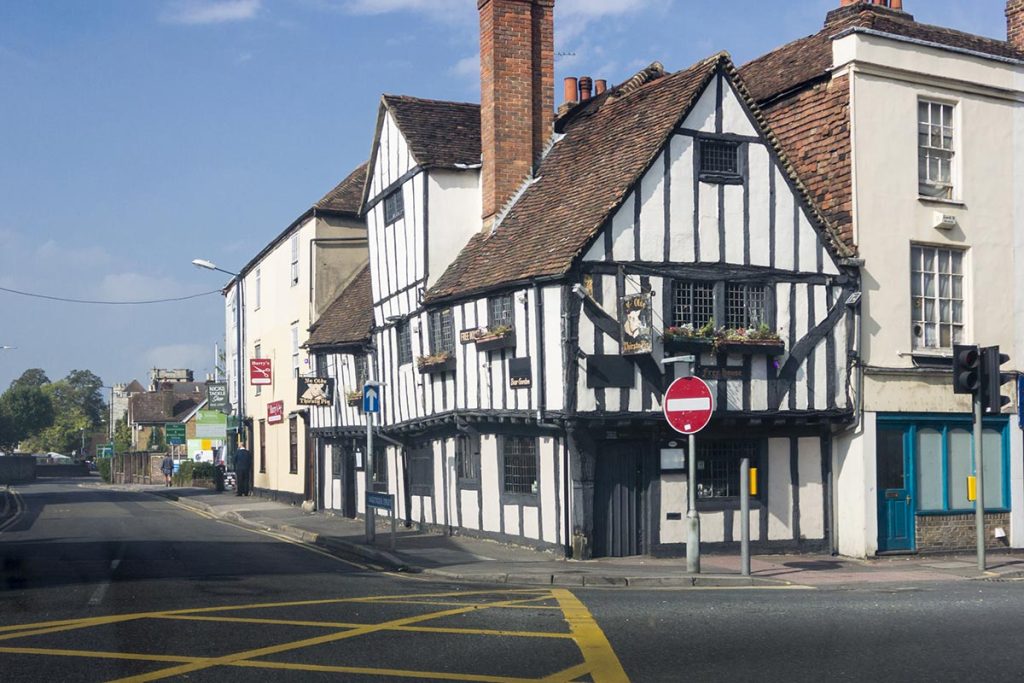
(138, 135)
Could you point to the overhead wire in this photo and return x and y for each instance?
(97, 302)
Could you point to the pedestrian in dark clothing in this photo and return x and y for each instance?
(167, 467)
(243, 469)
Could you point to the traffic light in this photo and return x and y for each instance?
(966, 368)
(992, 401)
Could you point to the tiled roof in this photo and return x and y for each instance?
(803, 60)
(584, 177)
(345, 198)
(445, 134)
(349, 318)
(163, 406)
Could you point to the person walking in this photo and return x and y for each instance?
(167, 467)
(243, 468)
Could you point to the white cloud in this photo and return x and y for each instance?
(54, 254)
(467, 67)
(439, 7)
(597, 9)
(130, 286)
(193, 356)
(199, 12)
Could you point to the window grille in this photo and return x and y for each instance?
(520, 456)
(467, 457)
(293, 445)
(937, 297)
(442, 331)
(935, 149)
(719, 157)
(500, 311)
(693, 303)
(404, 343)
(744, 306)
(718, 467)
(394, 207)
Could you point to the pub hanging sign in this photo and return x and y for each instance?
(637, 324)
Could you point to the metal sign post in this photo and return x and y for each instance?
(979, 496)
(688, 406)
(745, 516)
(371, 405)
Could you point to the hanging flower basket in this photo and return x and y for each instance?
(436, 363)
(354, 398)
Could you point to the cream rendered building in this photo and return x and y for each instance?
(913, 132)
(284, 289)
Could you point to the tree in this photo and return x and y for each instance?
(156, 439)
(82, 388)
(122, 436)
(24, 412)
(78, 408)
(33, 377)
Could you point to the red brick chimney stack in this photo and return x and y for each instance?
(891, 4)
(517, 93)
(1015, 23)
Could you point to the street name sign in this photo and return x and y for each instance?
(688, 405)
(175, 433)
(384, 501)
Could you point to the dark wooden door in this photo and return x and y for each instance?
(619, 486)
(349, 482)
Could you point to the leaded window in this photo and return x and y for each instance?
(935, 149)
(520, 464)
(362, 371)
(744, 306)
(404, 342)
(719, 158)
(442, 331)
(693, 303)
(718, 466)
(394, 207)
(500, 311)
(937, 297)
(293, 445)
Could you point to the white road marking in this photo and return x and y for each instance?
(101, 590)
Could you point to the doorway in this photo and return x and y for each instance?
(895, 500)
(620, 481)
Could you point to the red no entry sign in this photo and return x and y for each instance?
(688, 405)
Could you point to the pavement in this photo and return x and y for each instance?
(465, 558)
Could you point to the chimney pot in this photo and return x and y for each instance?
(600, 85)
(586, 85)
(572, 89)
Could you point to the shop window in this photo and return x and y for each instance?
(519, 466)
(718, 466)
(467, 459)
(421, 470)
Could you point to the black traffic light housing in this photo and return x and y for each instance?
(992, 401)
(967, 368)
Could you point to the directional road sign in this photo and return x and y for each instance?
(688, 405)
(371, 398)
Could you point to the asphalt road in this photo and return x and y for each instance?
(106, 585)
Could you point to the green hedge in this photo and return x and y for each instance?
(103, 465)
(189, 471)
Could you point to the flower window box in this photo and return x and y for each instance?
(354, 398)
(503, 337)
(436, 363)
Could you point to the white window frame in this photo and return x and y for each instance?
(931, 184)
(923, 297)
(295, 349)
(258, 353)
(295, 261)
(257, 297)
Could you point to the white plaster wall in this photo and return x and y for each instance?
(454, 216)
(531, 521)
(780, 491)
(856, 490)
(489, 493)
(673, 499)
(812, 493)
(470, 508)
(548, 468)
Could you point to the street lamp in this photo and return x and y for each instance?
(237, 279)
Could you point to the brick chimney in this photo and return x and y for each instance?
(1015, 23)
(517, 94)
(891, 4)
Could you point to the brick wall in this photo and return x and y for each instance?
(1015, 23)
(517, 93)
(956, 532)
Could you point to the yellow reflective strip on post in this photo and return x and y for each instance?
(753, 481)
(972, 488)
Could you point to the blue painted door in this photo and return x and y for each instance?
(895, 500)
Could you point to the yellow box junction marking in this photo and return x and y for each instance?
(599, 660)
